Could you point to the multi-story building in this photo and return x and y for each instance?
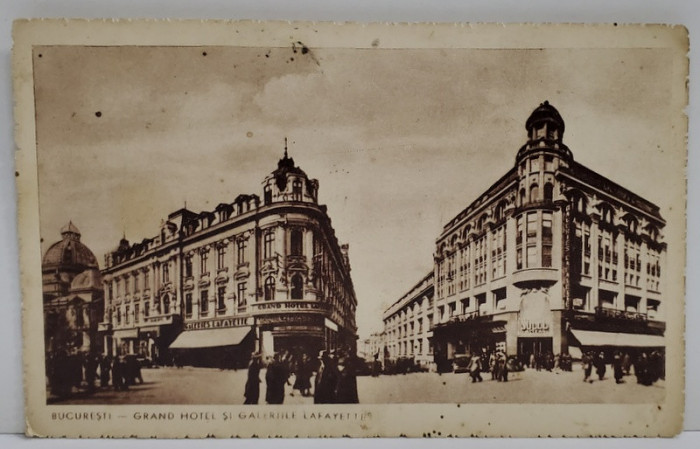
(73, 297)
(408, 325)
(212, 287)
(552, 257)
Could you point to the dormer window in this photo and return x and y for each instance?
(268, 195)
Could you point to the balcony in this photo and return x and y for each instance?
(604, 313)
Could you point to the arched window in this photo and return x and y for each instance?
(166, 304)
(534, 193)
(498, 214)
(548, 191)
(269, 288)
(297, 287)
(268, 244)
(297, 242)
(296, 190)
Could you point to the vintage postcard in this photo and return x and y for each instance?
(273, 229)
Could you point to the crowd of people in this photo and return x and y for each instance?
(549, 361)
(75, 372)
(335, 380)
(647, 368)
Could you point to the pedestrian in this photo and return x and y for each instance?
(326, 380)
(587, 364)
(532, 360)
(252, 385)
(302, 381)
(600, 365)
(276, 377)
(492, 366)
(475, 368)
(626, 364)
(502, 367)
(105, 368)
(617, 367)
(346, 385)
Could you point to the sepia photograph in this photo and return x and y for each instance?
(284, 229)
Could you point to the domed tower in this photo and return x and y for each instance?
(63, 261)
(289, 183)
(541, 156)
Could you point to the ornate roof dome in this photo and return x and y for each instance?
(87, 280)
(69, 252)
(545, 112)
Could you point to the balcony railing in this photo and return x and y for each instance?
(606, 313)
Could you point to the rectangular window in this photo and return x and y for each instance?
(203, 259)
(240, 251)
(166, 273)
(546, 255)
(127, 311)
(204, 302)
(126, 285)
(221, 299)
(188, 266)
(532, 256)
(136, 283)
(145, 278)
(188, 304)
(241, 294)
(136, 313)
(268, 244)
(146, 307)
(220, 257)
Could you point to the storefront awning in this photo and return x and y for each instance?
(498, 330)
(595, 338)
(210, 338)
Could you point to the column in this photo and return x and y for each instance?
(620, 267)
(643, 279)
(594, 302)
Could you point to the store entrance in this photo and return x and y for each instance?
(537, 346)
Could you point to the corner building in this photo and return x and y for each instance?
(553, 257)
(252, 275)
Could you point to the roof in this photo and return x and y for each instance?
(69, 252)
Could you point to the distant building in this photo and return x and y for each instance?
(253, 274)
(73, 297)
(408, 323)
(553, 257)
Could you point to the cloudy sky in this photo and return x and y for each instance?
(400, 140)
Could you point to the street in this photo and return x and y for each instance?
(190, 385)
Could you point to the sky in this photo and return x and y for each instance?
(401, 140)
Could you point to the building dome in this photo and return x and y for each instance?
(69, 253)
(87, 280)
(545, 112)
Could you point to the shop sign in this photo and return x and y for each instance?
(306, 320)
(215, 324)
(535, 317)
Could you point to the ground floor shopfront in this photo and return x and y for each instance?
(529, 336)
(229, 342)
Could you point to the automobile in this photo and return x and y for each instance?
(460, 363)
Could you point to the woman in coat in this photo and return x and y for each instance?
(252, 385)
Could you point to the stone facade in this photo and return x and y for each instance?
(254, 274)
